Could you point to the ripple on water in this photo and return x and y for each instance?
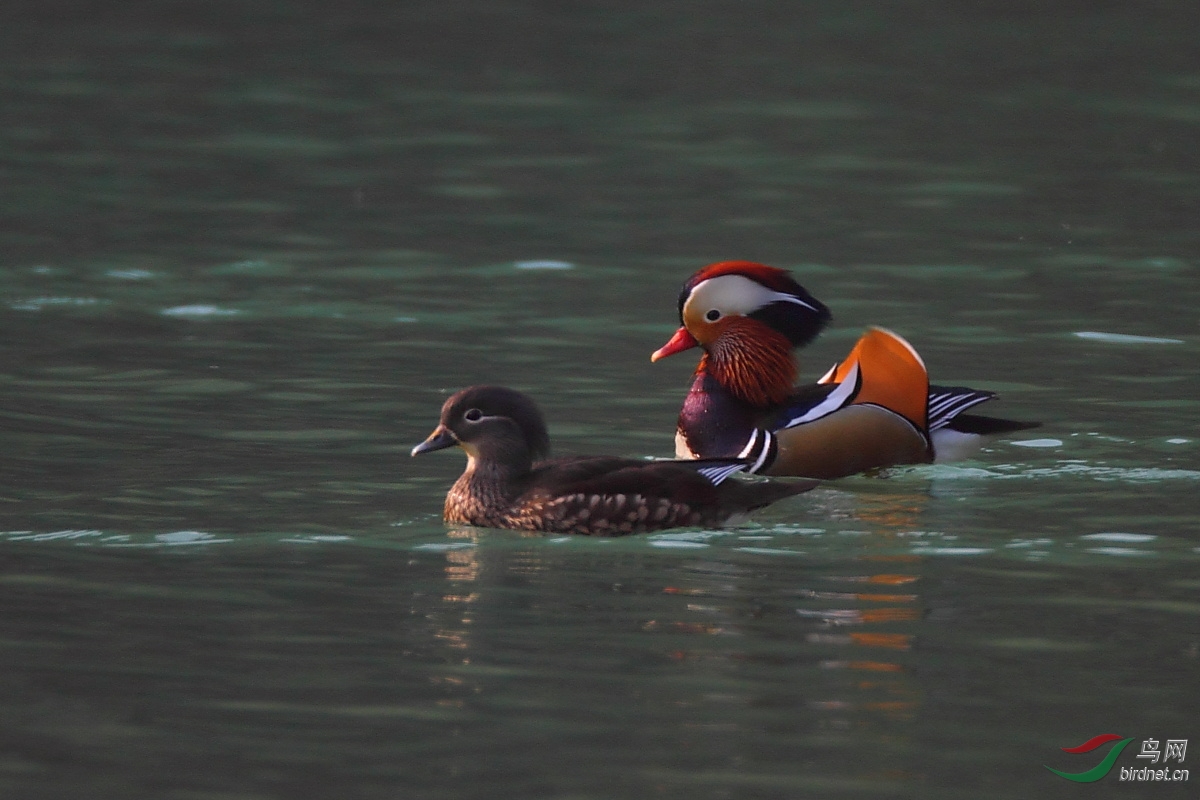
(1065, 468)
(1124, 338)
(1117, 536)
(685, 539)
(188, 537)
(770, 542)
(40, 303)
(926, 550)
(769, 551)
(169, 539)
(1132, 474)
(544, 263)
(199, 310)
(52, 536)
(1120, 551)
(316, 539)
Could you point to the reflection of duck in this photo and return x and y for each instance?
(502, 432)
(874, 409)
(882, 510)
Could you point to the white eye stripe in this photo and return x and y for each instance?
(791, 298)
(736, 294)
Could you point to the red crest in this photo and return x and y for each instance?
(772, 277)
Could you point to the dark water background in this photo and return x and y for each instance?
(247, 249)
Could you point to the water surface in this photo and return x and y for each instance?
(248, 251)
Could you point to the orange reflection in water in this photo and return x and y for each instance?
(889, 615)
(874, 666)
(894, 641)
(462, 564)
(892, 580)
(885, 506)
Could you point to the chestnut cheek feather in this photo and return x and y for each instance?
(756, 365)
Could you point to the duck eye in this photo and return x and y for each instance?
(473, 415)
(713, 315)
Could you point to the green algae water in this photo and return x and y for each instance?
(247, 251)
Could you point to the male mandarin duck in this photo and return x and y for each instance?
(506, 485)
(874, 409)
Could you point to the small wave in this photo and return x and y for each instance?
(316, 539)
(130, 274)
(951, 551)
(1071, 468)
(1116, 536)
(171, 539)
(199, 310)
(1119, 551)
(1124, 338)
(768, 551)
(686, 536)
(1136, 474)
(543, 263)
(52, 536)
(39, 303)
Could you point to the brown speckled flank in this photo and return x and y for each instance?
(502, 432)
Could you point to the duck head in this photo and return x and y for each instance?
(747, 318)
(494, 424)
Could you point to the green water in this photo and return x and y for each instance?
(247, 252)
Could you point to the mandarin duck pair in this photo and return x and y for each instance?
(742, 413)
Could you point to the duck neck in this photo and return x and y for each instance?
(714, 423)
(482, 493)
(502, 470)
(753, 363)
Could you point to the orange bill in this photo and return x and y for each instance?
(682, 340)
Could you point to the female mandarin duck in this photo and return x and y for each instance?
(503, 433)
(875, 409)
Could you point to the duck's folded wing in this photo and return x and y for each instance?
(613, 474)
(817, 400)
(947, 402)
